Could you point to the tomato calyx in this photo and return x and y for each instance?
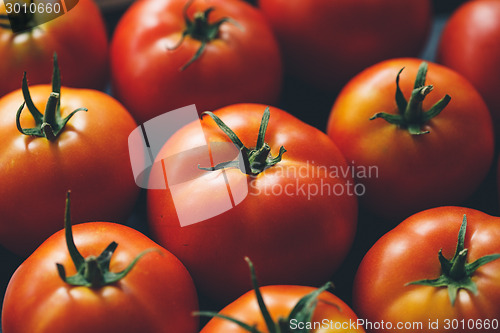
(50, 124)
(411, 116)
(457, 273)
(302, 311)
(92, 272)
(201, 29)
(251, 161)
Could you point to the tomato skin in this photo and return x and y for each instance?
(242, 65)
(409, 253)
(83, 52)
(414, 172)
(469, 45)
(156, 296)
(289, 237)
(280, 300)
(326, 42)
(92, 150)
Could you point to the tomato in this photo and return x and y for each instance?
(288, 204)
(79, 37)
(469, 44)
(282, 308)
(330, 311)
(155, 70)
(421, 152)
(326, 42)
(89, 156)
(132, 285)
(396, 281)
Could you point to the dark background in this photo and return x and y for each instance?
(297, 97)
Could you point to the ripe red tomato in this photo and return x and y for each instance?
(396, 283)
(420, 170)
(291, 218)
(291, 308)
(470, 45)
(156, 295)
(326, 42)
(79, 37)
(89, 156)
(240, 62)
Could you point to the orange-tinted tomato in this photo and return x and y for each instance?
(409, 253)
(443, 164)
(90, 156)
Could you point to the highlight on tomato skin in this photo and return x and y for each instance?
(124, 283)
(421, 266)
(283, 213)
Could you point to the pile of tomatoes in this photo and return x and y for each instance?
(323, 149)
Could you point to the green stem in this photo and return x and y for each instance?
(92, 272)
(457, 273)
(414, 111)
(457, 270)
(410, 114)
(201, 29)
(49, 117)
(259, 157)
(50, 124)
(271, 325)
(255, 160)
(51, 108)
